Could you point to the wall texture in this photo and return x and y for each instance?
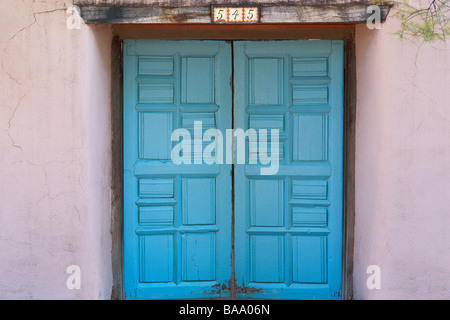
(55, 158)
(402, 165)
(54, 153)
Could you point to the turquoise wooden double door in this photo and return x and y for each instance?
(202, 219)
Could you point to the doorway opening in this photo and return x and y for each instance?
(178, 226)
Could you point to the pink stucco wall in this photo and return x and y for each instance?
(55, 159)
(402, 165)
(54, 153)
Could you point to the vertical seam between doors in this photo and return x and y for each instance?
(233, 274)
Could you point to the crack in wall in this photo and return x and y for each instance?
(14, 111)
(433, 103)
(14, 143)
(9, 124)
(10, 76)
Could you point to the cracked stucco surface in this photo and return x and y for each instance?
(55, 159)
(54, 153)
(402, 165)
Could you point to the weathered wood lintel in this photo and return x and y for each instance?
(269, 14)
(205, 3)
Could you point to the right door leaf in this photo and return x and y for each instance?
(288, 225)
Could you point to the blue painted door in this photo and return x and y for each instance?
(288, 225)
(177, 217)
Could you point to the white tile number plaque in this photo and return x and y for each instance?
(235, 14)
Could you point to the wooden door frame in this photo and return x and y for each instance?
(344, 32)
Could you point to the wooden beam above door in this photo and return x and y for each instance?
(196, 11)
(199, 3)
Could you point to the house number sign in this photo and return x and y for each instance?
(235, 14)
